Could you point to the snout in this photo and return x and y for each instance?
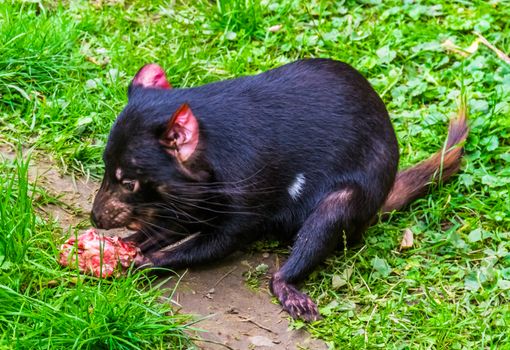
(109, 212)
(102, 221)
(108, 219)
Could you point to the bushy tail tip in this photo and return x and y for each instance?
(413, 182)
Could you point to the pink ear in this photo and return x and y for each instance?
(181, 135)
(151, 76)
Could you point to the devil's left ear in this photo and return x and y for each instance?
(181, 135)
(150, 76)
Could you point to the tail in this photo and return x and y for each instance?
(413, 183)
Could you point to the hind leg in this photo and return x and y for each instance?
(340, 212)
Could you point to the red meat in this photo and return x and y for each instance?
(99, 255)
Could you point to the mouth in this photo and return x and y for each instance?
(134, 226)
(179, 242)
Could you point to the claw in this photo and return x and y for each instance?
(297, 304)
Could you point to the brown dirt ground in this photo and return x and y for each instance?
(231, 315)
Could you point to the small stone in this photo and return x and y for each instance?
(259, 340)
(210, 293)
(232, 311)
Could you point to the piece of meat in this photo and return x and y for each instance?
(99, 255)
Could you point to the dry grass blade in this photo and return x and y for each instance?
(407, 239)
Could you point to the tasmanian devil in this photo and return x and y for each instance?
(305, 151)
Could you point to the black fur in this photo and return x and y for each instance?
(319, 118)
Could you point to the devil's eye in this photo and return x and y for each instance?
(130, 185)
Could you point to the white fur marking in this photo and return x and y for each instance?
(296, 188)
(118, 173)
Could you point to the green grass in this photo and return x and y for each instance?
(64, 70)
(44, 306)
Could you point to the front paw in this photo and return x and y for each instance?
(297, 304)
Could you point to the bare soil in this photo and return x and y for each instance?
(230, 314)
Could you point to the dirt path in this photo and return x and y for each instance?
(232, 315)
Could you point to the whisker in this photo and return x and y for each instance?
(221, 183)
(160, 229)
(247, 190)
(165, 206)
(190, 218)
(211, 209)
